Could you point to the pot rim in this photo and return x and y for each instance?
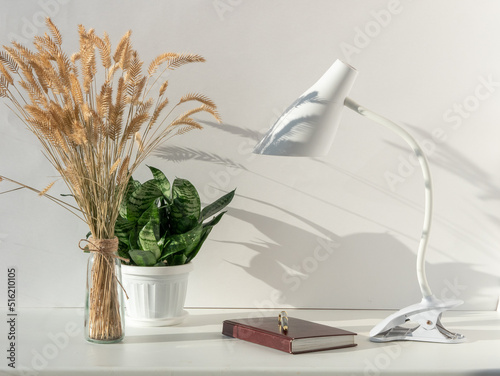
(157, 270)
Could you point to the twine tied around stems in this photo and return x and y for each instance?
(106, 247)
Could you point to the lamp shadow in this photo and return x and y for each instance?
(308, 263)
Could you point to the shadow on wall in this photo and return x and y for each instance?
(297, 263)
(306, 268)
(443, 155)
(178, 154)
(454, 161)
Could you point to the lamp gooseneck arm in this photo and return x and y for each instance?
(422, 279)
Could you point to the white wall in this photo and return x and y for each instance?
(428, 57)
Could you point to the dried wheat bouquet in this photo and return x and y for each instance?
(97, 114)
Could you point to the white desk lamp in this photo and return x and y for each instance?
(307, 128)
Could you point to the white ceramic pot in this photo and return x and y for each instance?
(156, 294)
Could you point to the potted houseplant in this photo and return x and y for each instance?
(161, 228)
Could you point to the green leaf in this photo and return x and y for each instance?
(192, 239)
(124, 253)
(132, 239)
(162, 181)
(132, 185)
(122, 230)
(182, 242)
(142, 258)
(177, 260)
(164, 211)
(148, 241)
(204, 236)
(141, 199)
(207, 228)
(214, 220)
(185, 208)
(152, 214)
(161, 242)
(217, 206)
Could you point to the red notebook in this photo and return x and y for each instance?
(302, 336)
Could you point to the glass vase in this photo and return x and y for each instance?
(104, 304)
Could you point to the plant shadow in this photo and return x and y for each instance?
(455, 162)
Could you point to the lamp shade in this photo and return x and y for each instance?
(308, 126)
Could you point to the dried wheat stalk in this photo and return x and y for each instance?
(96, 121)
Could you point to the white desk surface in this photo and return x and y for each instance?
(197, 347)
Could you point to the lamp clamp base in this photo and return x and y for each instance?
(427, 314)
